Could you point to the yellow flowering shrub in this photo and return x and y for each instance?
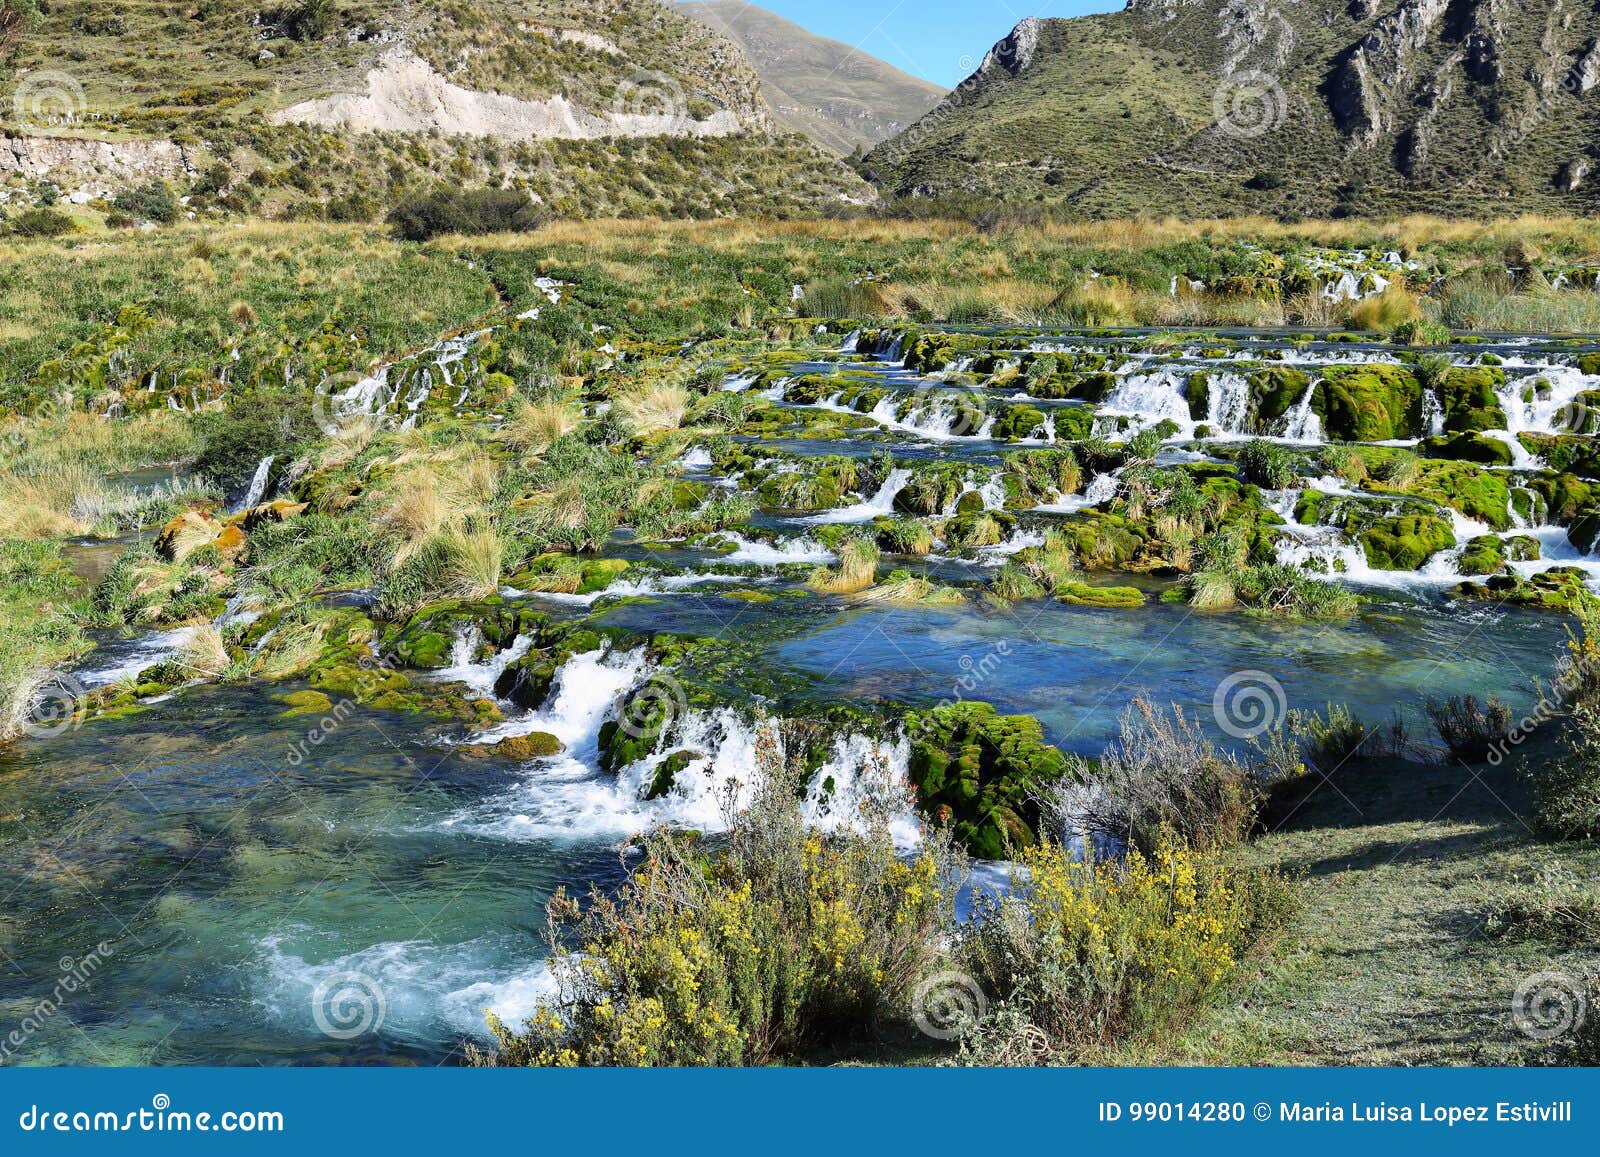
(783, 940)
(1096, 951)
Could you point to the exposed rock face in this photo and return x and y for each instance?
(36, 157)
(1572, 175)
(405, 94)
(1374, 74)
(1015, 52)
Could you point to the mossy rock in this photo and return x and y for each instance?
(1469, 401)
(305, 703)
(981, 773)
(666, 776)
(1112, 598)
(1369, 403)
(1406, 542)
(1275, 390)
(1468, 448)
(1018, 423)
(534, 745)
(1560, 589)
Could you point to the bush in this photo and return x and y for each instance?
(1471, 731)
(148, 202)
(1086, 954)
(42, 223)
(1160, 778)
(786, 941)
(1567, 790)
(471, 211)
(1267, 465)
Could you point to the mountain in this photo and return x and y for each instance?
(1302, 108)
(596, 107)
(836, 94)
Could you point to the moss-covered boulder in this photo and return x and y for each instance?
(1467, 394)
(534, 745)
(1559, 589)
(1406, 541)
(981, 772)
(1468, 448)
(1369, 403)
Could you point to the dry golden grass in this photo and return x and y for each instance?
(204, 654)
(652, 409)
(534, 425)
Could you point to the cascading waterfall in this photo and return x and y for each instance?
(481, 676)
(1146, 400)
(878, 505)
(1102, 488)
(1229, 409)
(258, 484)
(1303, 425)
(569, 796)
(1432, 413)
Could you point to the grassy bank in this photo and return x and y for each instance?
(1396, 956)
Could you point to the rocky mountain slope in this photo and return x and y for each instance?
(836, 94)
(594, 106)
(1294, 107)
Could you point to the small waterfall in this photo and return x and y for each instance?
(1102, 489)
(1148, 399)
(878, 505)
(480, 676)
(993, 493)
(851, 341)
(257, 492)
(1432, 414)
(568, 796)
(792, 550)
(1303, 424)
(1229, 410)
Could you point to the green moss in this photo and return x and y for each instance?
(534, 745)
(1406, 541)
(1369, 403)
(305, 703)
(1468, 448)
(980, 773)
(1112, 598)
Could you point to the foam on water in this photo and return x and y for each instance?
(427, 991)
(791, 550)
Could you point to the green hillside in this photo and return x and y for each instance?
(1195, 107)
(616, 107)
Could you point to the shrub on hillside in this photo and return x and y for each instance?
(41, 223)
(470, 211)
(152, 201)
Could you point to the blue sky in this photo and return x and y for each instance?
(942, 40)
